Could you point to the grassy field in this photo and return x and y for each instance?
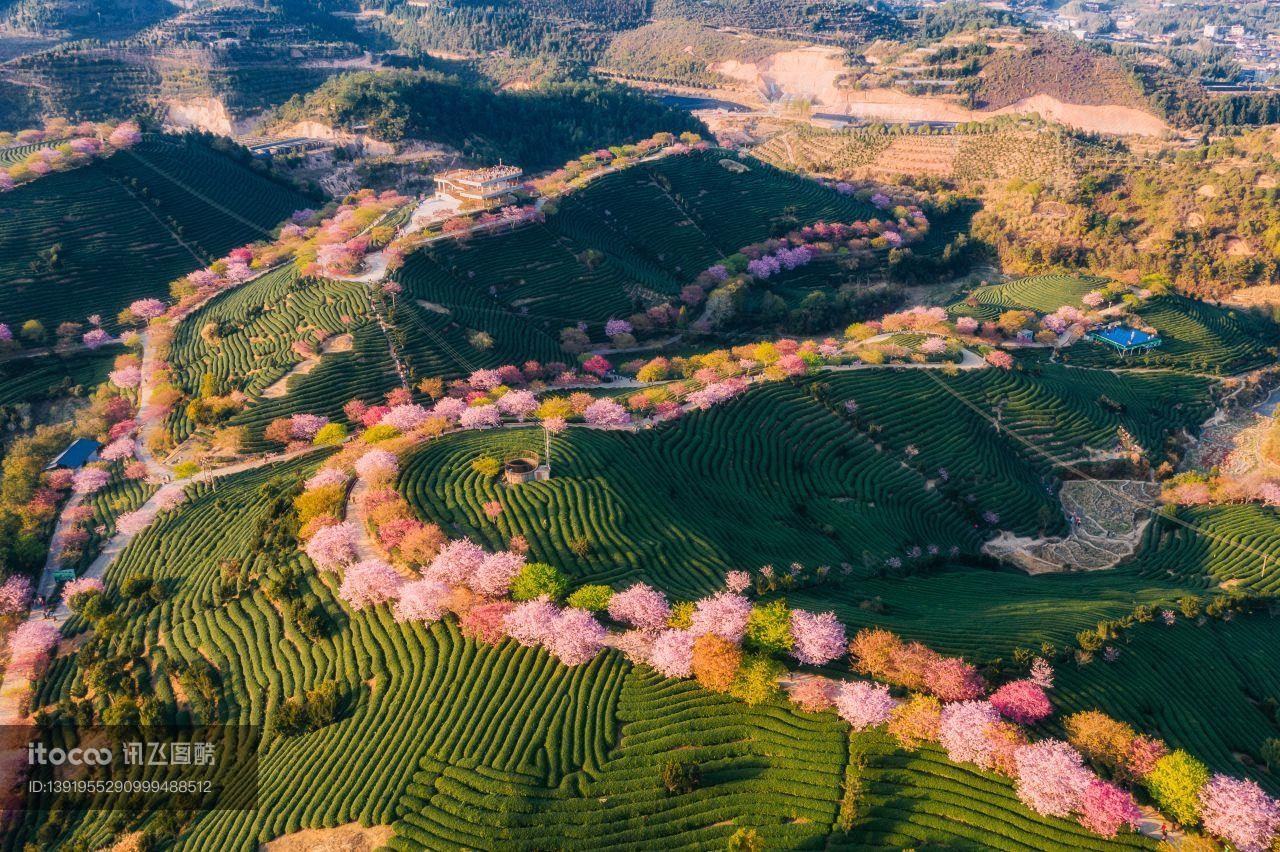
(93, 239)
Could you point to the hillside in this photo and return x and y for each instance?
(93, 239)
(1059, 67)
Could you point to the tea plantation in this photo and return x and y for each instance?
(93, 239)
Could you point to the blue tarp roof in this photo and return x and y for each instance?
(1126, 338)
(77, 453)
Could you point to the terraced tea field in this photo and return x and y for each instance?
(1040, 293)
(93, 239)
(624, 240)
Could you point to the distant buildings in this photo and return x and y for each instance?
(479, 185)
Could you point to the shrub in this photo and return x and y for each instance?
(594, 598)
(1175, 784)
(330, 435)
(746, 840)
(756, 680)
(487, 466)
(769, 627)
(379, 432)
(538, 578)
(680, 776)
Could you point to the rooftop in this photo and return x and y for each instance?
(76, 454)
(1124, 337)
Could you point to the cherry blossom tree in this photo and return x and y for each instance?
(450, 408)
(147, 309)
(126, 135)
(15, 591)
(480, 417)
(456, 562)
(1041, 673)
(406, 418)
(421, 600)
(126, 377)
(30, 645)
(641, 606)
(819, 638)
(1000, 358)
(493, 576)
(1239, 812)
(484, 622)
(952, 679)
(369, 583)
(532, 623)
(813, 694)
(864, 705)
(576, 637)
(333, 546)
(95, 338)
(81, 586)
(737, 581)
(325, 477)
(597, 365)
(170, 497)
(723, 614)
(304, 427)
(132, 523)
(614, 327)
(1051, 777)
(519, 404)
(672, 653)
(964, 731)
(121, 448)
(89, 480)
(377, 465)
(606, 412)
(1106, 808)
(1022, 701)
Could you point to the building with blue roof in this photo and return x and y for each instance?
(78, 453)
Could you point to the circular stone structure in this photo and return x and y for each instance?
(518, 469)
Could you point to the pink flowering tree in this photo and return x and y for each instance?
(333, 546)
(531, 623)
(1239, 812)
(737, 581)
(1106, 808)
(117, 450)
(126, 377)
(325, 477)
(724, 614)
(520, 404)
(641, 606)
(15, 591)
(1001, 359)
(132, 523)
(952, 679)
(480, 417)
(377, 465)
(671, 654)
(1051, 777)
(597, 365)
(456, 562)
(1022, 701)
(304, 427)
(576, 638)
(421, 600)
(1041, 673)
(147, 309)
(369, 583)
(818, 638)
(493, 576)
(81, 586)
(406, 418)
(30, 645)
(89, 480)
(965, 732)
(863, 705)
(606, 412)
(449, 408)
(95, 338)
